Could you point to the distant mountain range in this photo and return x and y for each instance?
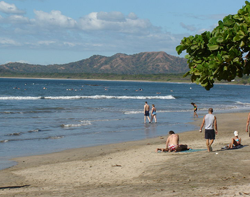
(141, 63)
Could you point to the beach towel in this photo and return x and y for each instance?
(234, 147)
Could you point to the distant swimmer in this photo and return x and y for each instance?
(146, 112)
(195, 109)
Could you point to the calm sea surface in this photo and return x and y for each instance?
(43, 115)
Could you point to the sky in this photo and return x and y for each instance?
(61, 31)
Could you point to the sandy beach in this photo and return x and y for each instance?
(135, 169)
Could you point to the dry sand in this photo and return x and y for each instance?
(135, 169)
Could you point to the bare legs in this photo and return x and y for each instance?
(209, 144)
(233, 143)
(145, 119)
(153, 116)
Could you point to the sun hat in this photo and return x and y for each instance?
(236, 133)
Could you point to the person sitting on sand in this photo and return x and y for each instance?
(236, 141)
(172, 144)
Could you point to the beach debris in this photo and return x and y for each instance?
(116, 165)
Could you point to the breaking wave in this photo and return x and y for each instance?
(85, 97)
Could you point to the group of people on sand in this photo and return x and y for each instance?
(146, 113)
(211, 129)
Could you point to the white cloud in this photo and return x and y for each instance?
(54, 18)
(114, 21)
(8, 42)
(188, 27)
(46, 42)
(97, 32)
(10, 8)
(132, 16)
(18, 19)
(110, 16)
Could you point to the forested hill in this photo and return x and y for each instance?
(141, 63)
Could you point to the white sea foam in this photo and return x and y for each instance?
(20, 98)
(83, 123)
(86, 97)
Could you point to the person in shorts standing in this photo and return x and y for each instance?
(146, 112)
(211, 129)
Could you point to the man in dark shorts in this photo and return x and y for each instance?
(210, 122)
(146, 112)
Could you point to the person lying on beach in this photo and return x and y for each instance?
(172, 144)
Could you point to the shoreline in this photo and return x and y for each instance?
(178, 82)
(135, 169)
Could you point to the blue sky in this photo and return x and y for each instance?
(62, 31)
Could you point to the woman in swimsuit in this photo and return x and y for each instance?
(153, 113)
(195, 109)
(236, 141)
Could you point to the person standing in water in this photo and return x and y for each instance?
(146, 112)
(153, 113)
(195, 109)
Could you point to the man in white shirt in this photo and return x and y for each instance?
(210, 122)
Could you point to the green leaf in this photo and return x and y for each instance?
(179, 49)
(237, 59)
(213, 47)
(220, 39)
(194, 47)
(237, 38)
(242, 44)
(186, 74)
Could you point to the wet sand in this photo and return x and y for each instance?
(135, 169)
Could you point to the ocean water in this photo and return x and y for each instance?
(43, 115)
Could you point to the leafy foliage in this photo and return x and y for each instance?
(220, 54)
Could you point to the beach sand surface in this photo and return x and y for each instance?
(135, 169)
